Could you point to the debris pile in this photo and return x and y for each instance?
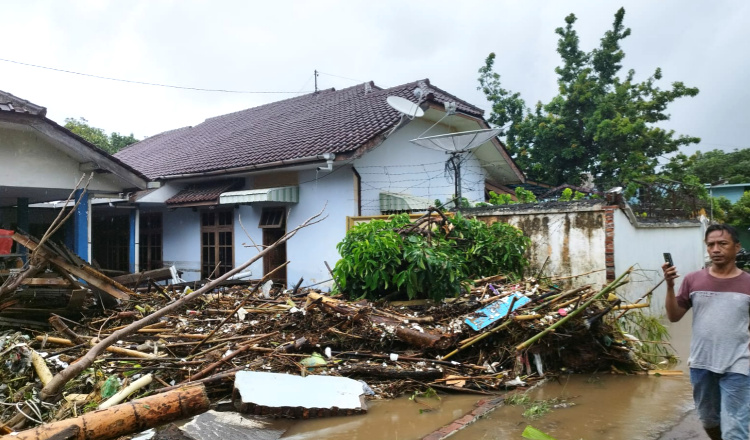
(149, 340)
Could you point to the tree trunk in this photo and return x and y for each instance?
(123, 419)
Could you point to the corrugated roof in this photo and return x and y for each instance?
(329, 121)
(202, 193)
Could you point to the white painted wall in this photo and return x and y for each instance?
(316, 244)
(400, 166)
(182, 242)
(571, 242)
(644, 247)
(29, 159)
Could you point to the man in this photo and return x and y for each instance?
(719, 349)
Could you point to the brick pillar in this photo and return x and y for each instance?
(609, 242)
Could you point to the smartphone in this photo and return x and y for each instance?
(668, 259)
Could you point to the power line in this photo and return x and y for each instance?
(359, 81)
(144, 82)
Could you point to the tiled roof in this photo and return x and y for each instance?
(329, 121)
(202, 193)
(11, 103)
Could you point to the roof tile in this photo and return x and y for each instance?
(328, 121)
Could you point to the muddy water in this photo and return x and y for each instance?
(398, 419)
(607, 407)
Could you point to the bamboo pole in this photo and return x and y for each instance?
(575, 312)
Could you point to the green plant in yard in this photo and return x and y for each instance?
(567, 195)
(653, 337)
(377, 261)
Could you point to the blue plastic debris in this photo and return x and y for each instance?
(495, 311)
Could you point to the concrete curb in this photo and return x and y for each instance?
(483, 407)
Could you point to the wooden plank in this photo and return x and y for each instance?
(61, 282)
(143, 277)
(101, 282)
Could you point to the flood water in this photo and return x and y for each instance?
(607, 407)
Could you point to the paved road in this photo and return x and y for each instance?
(689, 428)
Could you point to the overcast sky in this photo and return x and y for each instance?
(276, 46)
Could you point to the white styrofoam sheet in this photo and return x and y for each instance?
(285, 390)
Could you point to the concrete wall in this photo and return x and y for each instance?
(400, 166)
(583, 237)
(643, 246)
(569, 237)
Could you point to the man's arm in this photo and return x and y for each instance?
(675, 311)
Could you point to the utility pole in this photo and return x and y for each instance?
(456, 159)
(316, 81)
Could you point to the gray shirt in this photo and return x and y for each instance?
(721, 318)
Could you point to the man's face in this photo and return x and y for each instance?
(721, 249)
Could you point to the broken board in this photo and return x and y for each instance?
(286, 395)
(495, 311)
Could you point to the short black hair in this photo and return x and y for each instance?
(724, 227)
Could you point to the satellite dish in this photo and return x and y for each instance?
(405, 107)
(457, 142)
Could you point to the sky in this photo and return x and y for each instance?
(254, 46)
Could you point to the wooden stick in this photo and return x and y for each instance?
(118, 350)
(125, 392)
(41, 368)
(575, 312)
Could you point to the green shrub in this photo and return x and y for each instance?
(377, 261)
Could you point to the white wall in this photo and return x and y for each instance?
(182, 242)
(29, 159)
(644, 246)
(400, 166)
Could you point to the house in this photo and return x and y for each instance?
(732, 192)
(40, 164)
(241, 180)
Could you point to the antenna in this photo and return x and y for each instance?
(456, 144)
(316, 80)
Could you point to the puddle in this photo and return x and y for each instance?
(398, 419)
(608, 407)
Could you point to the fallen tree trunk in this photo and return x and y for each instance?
(123, 419)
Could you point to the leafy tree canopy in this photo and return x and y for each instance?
(600, 123)
(711, 167)
(110, 143)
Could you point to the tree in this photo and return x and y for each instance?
(111, 144)
(711, 167)
(599, 123)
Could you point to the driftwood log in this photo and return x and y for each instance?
(123, 419)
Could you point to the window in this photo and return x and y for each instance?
(272, 218)
(217, 238)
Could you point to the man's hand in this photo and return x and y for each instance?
(674, 311)
(670, 274)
